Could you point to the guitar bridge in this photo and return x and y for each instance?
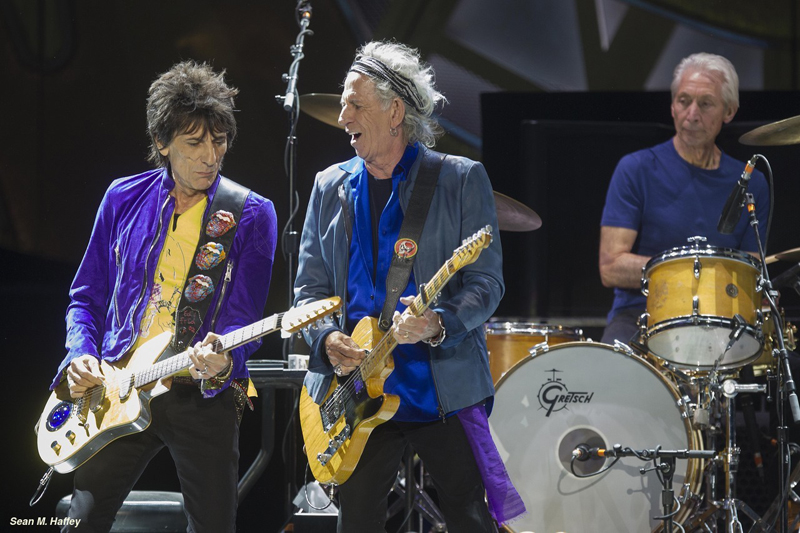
(333, 445)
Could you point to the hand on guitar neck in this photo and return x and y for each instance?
(207, 362)
(410, 329)
(84, 372)
(345, 355)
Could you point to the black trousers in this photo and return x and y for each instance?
(202, 435)
(622, 327)
(447, 456)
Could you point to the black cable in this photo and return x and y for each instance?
(602, 470)
(771, 200)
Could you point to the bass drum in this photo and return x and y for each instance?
(588, 393)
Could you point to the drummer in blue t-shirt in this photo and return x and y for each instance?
(661, 196)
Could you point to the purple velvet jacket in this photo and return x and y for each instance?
(113, 283)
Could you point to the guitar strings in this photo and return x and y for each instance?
(219, 344)
(380, 351)
(440, 278)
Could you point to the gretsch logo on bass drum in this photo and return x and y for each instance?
(554, 396)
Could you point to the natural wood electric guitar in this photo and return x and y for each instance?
(72, 430)
(336, 431)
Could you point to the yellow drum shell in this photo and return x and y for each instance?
(510, 342)
(672, 287)
(723, 283)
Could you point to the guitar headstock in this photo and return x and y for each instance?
(471, 247)
(297, 318)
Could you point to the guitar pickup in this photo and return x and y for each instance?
(333, 445)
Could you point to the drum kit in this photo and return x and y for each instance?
(557, 392)
(563, 402)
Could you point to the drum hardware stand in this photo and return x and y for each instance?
(764, 525)
(786, 385)
(730, 459)
(414, 498)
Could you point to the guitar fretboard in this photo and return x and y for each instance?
(173, 365)
(376, 360)
(464, 255)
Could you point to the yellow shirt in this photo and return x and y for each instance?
(170, 275)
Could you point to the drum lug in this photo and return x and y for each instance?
(624, 348)
(695, 308)
(540, 348)
(645, 282)
(642, 322)
(697, 267)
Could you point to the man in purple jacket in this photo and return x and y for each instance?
(131, 282)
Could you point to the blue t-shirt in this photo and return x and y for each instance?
(412, 378)
(667, 200)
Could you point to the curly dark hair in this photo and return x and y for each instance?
(188, 96)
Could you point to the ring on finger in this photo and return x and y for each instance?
(338, 370)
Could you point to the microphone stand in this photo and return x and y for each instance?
(786, 385)
(290, 240)
(290, 243)
(666, 469)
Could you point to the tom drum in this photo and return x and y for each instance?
(699, 299)
(509, 342)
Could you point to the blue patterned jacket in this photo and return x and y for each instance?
(462, 204)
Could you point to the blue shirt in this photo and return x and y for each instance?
(667, 200)
(411, 379)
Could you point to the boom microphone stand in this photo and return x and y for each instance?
(664, 467)
(786, 385)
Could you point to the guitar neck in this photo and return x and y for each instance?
(173, 365)
(376, 359)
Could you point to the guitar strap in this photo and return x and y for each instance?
(206, 270)
(406, 247)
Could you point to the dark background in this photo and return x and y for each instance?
(75, 78)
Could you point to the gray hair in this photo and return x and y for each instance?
(417, 125)
(714, 65)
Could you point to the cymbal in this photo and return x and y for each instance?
(515, 216)
(778, 133)
(790, 256)
(323, 107)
